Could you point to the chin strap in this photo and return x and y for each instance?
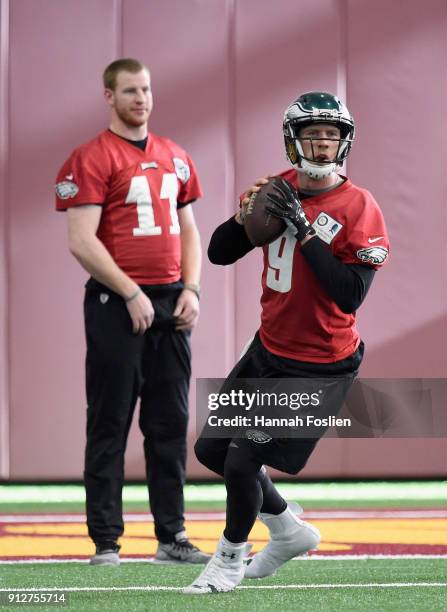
(312, 169)
(316, 171)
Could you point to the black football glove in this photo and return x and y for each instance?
(286, 205)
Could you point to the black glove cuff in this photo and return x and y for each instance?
(305, 231)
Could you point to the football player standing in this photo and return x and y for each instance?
(128, 196)
(316, 275)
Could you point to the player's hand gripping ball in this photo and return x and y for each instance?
(260, 225)
(285, 204)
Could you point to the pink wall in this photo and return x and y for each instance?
(4, 343)
(223, 72)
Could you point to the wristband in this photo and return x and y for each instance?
(133, 296)
(242, 215)
(304, 232)
(194, 288)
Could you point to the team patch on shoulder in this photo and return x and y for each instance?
(181, 169)
(66, 189)
(326, 227)
(376, 255)
(258, 436)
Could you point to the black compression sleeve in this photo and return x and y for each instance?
(228, 243)
(346, 284)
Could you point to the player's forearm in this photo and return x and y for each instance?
(97, 261)
(191, 255)
(346, 284)
(228, 243)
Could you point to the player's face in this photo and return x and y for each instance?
(320, 142)
(132, 98)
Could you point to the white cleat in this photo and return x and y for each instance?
(224, 571)
(289, 537)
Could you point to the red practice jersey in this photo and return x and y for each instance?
(299, 320)
(139, 192)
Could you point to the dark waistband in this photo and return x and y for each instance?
(148, 289)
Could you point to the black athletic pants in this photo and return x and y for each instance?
(239, 460)
(120, 368)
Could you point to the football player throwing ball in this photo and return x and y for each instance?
(316, 275)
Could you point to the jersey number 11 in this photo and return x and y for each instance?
(140, 194)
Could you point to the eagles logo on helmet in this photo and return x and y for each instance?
(317, 107)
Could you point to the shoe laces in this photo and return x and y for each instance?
(213, 573)
(218, 574)
(105, 547)
(183, 545)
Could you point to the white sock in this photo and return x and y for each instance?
(234, 545)
(230, 552)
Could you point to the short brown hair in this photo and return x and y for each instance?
(125, 64)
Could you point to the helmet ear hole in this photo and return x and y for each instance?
(291, 150)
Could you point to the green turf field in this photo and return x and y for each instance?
(364, 585)
(321, 585)
(70, 498)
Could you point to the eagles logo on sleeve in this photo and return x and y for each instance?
(66, 189)
(376, 255)
(181, 169)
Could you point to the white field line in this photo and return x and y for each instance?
(367, 585)
(144, 559)
(220, 516)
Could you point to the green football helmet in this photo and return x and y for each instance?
(317, 107)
